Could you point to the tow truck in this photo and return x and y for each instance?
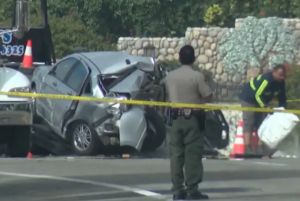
(16, 117)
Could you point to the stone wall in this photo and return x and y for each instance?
(205, 41)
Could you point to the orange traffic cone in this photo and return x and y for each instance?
(29, 155)
(239, 145)
(27, 59)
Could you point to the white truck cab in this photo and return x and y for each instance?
(15, 113)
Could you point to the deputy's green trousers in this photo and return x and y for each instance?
(186, 149)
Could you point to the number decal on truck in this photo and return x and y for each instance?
(7, 49)
(6, 38)
(16, 50)
(21, 50)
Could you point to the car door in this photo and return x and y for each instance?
(216, 130)
(71, 86)
(50, 84)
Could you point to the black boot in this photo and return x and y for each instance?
(180, 196)
(197, 196)
(259, 150)
(249, 151)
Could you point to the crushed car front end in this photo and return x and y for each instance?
(126, 125)
(114, 124)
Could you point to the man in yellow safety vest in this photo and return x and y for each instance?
(259, 92)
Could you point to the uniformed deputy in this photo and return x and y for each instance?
(259, 92)
(185, 85)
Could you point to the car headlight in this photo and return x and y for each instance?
(20, 89)
(6, 107)
(17, 106)
(116, 108)
(125, 107)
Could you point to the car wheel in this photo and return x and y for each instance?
(156, 130)
(36, 118)
(18, 143)
(84, 139)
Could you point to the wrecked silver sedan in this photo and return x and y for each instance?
(90, 126)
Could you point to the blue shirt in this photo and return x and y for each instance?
(262, 89)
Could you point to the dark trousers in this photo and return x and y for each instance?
(186, 150)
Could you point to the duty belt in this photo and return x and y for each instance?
(186, 113)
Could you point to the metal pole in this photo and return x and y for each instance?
(49, 42)
(13, 22)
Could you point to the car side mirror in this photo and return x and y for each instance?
(52, 71)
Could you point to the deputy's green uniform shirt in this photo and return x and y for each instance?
(185, 85)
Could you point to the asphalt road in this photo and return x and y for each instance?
(82, 179)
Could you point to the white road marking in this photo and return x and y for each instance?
(80, 195)
(271, 164)
(122, 199)
(83, 181)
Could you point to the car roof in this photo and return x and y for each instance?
(106, 59)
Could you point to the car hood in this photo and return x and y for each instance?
(9, 79)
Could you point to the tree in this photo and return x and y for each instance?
(278, 8)
(143, 18)
(214, 15)
(69, 33)
(261, 43)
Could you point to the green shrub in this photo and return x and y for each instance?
(293, 90)
(293, 87)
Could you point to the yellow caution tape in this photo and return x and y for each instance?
(140, 102)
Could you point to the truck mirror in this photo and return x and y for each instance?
(22, 18)
(23, 15)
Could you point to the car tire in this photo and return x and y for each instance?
(18, 142)
(36, 118)
(156, 139)
(95, 143)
